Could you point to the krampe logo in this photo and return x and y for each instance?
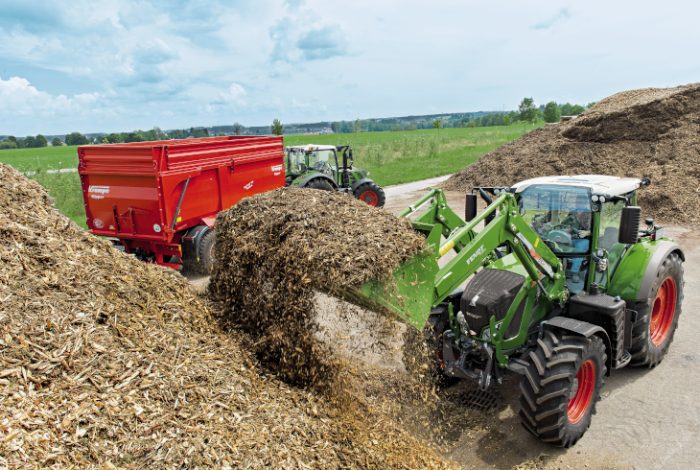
(276, 169)
(98, 192)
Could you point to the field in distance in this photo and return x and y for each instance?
(391, 157)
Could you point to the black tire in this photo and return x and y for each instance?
(203, 261)
(561, 386)
(321, 184)
(371, 193)
(651, 339)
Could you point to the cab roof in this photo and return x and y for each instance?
(311, 147)
(597, 184)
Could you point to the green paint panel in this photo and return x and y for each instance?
(409, 294)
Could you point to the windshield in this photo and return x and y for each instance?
(301, 161)
(560, 215)
(322, 160)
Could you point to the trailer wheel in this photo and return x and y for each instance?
(207, 247)
(319, 183)
(371, 194)
(203, 260)
(657, 320)
(561, 386)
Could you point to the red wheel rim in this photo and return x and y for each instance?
(663, 312)
(369, 196)
(584, 388)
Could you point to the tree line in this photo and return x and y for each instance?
(527, 111)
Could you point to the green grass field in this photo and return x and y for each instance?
(390, 157)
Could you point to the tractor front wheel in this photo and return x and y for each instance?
(561, 386)
(370, 193)
(658, 318)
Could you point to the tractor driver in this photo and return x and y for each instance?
(578, 224)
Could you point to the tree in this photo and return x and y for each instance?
(551, 112)
(56, 142)
(29, 142)
(8, 144)
(199, 132)
(277, 127)
(437, 124)
(528, 111)
(568, 109)
(237, 128)
(76, 138)
(40, 141)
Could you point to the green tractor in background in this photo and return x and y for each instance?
(330, 168)
(560, 287)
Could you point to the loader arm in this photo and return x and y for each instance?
(420, 283)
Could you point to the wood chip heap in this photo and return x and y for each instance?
(651, 132)
(109, 362)
(274, 249)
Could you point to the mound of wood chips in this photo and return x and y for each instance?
(109, 362)
(275, 249)
(651, 132)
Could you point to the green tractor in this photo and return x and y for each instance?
(318, 167)
(560, 286)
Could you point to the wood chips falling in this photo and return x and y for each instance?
(274, 249)
(651, 132)
(109, 362)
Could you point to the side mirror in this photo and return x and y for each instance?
(470, 207)
(629, 224)
(646, 181)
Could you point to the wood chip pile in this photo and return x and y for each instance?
(274, 249)
(651, 132)
(109, 362)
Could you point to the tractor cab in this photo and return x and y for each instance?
(330, 167)
(579, 218)
(320, 158)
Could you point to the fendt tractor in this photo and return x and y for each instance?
(318, 167)
(560, 286)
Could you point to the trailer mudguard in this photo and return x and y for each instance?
(634, 276)
(304, 180)
(584, 329)
(357, 183)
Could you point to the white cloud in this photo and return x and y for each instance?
(19, 97)
(128, 64)
(236, 93)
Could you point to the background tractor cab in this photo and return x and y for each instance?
(329, 167)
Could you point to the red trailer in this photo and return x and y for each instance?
(160, 199)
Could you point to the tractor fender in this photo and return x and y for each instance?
(357, 183)
(304, 180)
(584, 329)
(634, 276)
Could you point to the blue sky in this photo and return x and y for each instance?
(121, 65)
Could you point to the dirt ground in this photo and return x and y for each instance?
(646, 419)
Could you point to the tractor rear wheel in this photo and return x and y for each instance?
(658, 318)
(561, 386)
(371, 194)
(319, 183)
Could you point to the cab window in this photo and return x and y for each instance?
(609, 231)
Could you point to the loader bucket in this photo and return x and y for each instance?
(408, 294)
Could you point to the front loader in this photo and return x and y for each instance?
(553, 281)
